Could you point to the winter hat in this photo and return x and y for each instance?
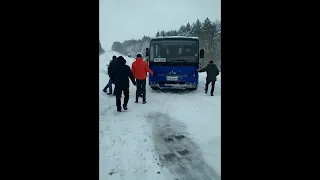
(114, 57)
(211, 61)
(139, 56)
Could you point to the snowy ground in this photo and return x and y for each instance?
(173, 136)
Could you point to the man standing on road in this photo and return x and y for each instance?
(109, 85)
(212, 73)
(139, 70)
(120, 75)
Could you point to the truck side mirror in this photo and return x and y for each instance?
(147, 52)
(201, 53)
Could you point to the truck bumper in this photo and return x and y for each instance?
(175, 85)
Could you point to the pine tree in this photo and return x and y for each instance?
(182, 30)
(169, 33)
(145, 38)
(174, 33)
(158, 34)
(206, 25)
(188, 28)
(196, 28)
(162, 33)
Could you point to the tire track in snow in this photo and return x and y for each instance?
(177, 152)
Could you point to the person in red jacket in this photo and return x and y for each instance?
(139, 70)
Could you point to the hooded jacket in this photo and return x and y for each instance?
(212, 71)
(121, 73)
(112, 62)
(140, 69)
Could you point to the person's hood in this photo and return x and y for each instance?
(211, 64)
(121, 60)
(139, 59)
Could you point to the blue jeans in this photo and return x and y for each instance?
(109, 85)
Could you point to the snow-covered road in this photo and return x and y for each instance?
(173, 136)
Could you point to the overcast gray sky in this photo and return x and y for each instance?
(121, 20)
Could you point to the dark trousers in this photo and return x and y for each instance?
(118, 92)
(109, 85)
(212, 88)
(141, 89)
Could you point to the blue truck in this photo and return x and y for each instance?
(174, 62)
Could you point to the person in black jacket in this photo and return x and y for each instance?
(212, 72)
(120, 75)
(109, 85)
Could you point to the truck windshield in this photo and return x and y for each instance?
(174, 51)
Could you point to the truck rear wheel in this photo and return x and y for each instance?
(154, 88)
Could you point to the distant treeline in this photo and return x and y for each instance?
(208, 33)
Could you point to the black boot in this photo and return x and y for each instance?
(144, 102)
(125, 107)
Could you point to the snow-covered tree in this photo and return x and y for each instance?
(188, 27)
(206, 25)
(187, 30)
(162, 33)
(158, 34)
(196, 28)
(170, 33)
(101, 51)
(117, 46)
(182, 30)
(175, 33)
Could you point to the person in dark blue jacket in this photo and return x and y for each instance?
(212, 73)
(120, 75)
(109, 85)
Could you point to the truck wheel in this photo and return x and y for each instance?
(154, 88)
(193, 89)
